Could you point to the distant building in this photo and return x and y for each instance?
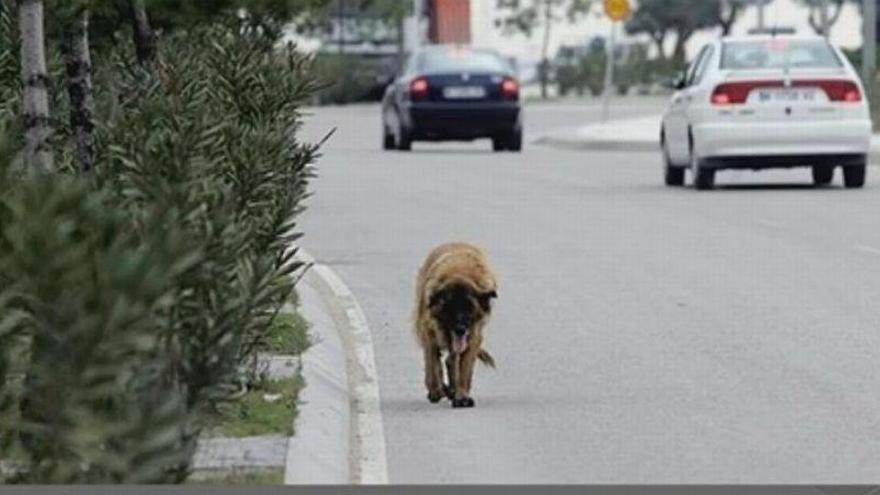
(449, 21)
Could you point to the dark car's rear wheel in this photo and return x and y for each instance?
(511, 141)
(404, 139)
(515, 142)
(854, 175)
(387, 138)
(822, 175)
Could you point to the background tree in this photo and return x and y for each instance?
(681, 18)
(645, 22)
(818, 18)
(728, 13)
(526, 16)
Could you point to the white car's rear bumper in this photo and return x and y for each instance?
(751, 139)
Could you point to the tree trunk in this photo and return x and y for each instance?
(78, 65)
(401, 45)
(728, 16)
(680, 53)
(35, 98)
(660, 43)
(144, 36)
(815, 23)
(545, 48)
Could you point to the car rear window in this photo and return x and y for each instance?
(779, 54)
(457, 60)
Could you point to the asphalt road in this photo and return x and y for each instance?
(644, 334)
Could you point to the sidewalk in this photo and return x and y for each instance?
(638, 134)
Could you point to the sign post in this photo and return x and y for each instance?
(617, 11)
(869, 50)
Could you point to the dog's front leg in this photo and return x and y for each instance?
(434, 374)
(452, 362)
(465, 370)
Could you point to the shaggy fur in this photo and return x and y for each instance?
(454, 293)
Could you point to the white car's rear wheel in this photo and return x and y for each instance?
(672, 174)
(822, 175)
(854, 176)
(704, 176)
(704, 179)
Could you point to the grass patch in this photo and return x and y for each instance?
(255, 415)
(270, 407)
(289, 334)
(263, 477)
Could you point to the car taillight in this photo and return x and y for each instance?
(510, 89)
(720, 98)
(737, 93)
(839, 91)
(418, 89)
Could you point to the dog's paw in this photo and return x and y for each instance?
(450, 394)
(466, 402)
(436, 396)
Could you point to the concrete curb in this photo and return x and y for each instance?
(367, 459)
(242, 454)
(581, 144)
(632, 135)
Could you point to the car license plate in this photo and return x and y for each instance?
(789, 95)
(464, 92)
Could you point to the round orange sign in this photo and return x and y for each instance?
(618, 10)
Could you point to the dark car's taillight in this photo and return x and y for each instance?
(510, 89)
(419, 89)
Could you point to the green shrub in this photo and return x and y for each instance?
(345, 78)
(217, 138)
(143, 289)
(86, 288)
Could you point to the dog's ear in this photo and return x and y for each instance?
(485, 298)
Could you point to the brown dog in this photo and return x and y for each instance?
(454, 291)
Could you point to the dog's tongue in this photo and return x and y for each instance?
(459, 343)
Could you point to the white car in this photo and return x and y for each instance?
(766, 101)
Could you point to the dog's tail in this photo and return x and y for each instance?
(486, 358)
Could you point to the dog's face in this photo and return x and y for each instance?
(458, 308)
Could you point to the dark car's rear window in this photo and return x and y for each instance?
(457, 60)
(779, 54)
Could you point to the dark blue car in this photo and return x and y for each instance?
(453, 93)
